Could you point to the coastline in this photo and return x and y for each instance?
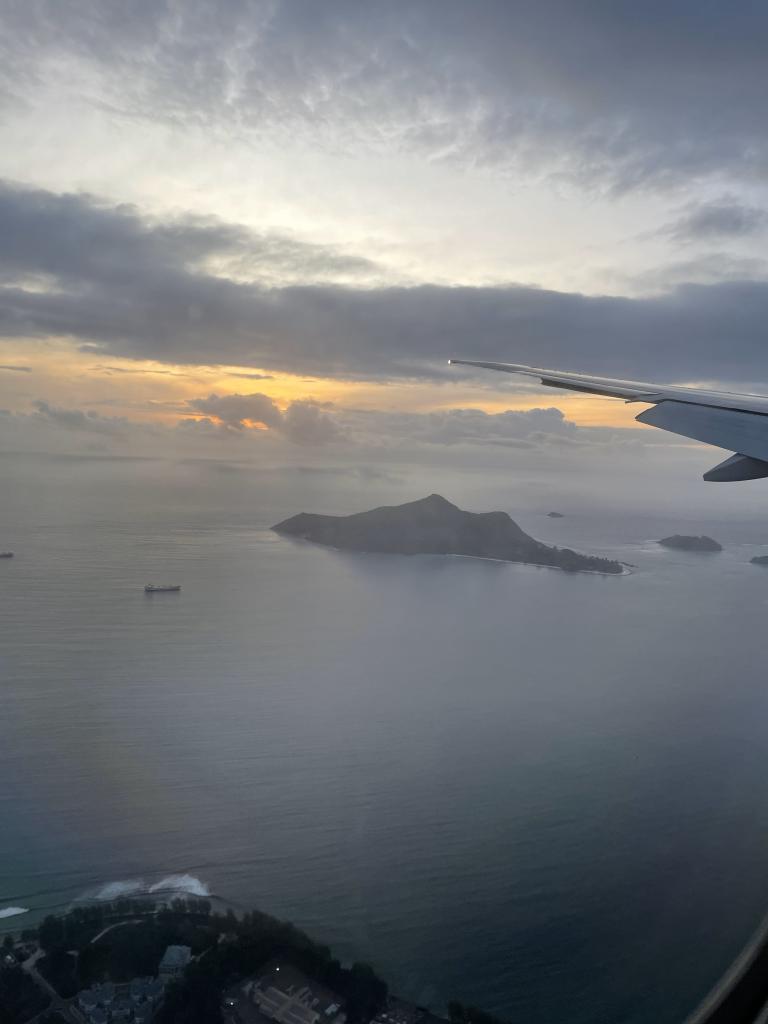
(626, 570)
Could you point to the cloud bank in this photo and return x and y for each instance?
(127, 285)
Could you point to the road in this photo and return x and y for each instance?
(67, 1011)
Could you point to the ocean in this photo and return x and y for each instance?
(541, 793)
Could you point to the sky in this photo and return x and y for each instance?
(258, 229)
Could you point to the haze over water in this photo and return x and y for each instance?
(542, 793)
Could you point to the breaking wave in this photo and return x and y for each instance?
(181, 884)
(13, 911)
(178, 885)
(117, 890)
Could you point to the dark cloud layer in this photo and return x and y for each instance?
(122, 285)
(619, 94)
(70, 238)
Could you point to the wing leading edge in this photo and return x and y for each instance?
(738, 423)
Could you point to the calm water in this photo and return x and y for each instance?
(545, 794)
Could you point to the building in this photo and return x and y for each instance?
(155, 990)
(175, 959)
(132, 1002)
(105, 994)
(139, 989)
(122, 1009)
(287, 996)
(87, 1000)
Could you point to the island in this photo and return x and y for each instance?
(555, 515)
(433, 526)
(759, 560)
(683, 543)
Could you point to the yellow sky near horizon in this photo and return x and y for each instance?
(150, 391)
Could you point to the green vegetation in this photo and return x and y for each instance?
(126, 939)
(227, 949)
(59, 968)
(135, 936)
(82, 924)
(20, 997)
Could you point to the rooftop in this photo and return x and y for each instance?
(176, 957)
(285, 994)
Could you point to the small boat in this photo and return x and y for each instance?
(162, 588)
(6, 554)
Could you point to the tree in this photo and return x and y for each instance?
(20, 998)
(51, 933)
(194, 1000)
(365, 992)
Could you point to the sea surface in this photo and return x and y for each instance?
(545, 794)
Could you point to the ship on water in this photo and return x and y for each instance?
(162, 588)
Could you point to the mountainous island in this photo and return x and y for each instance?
(433, 526)
(683, 543)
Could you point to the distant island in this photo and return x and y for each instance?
(759, 560)
(555, 515)
(433, 526)
(683, 543)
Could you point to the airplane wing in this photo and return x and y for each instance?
(738, 423)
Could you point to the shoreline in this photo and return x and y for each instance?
(626, 570)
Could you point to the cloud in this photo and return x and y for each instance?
(252, 376)
(306, 422)
(459, 426)
(120, 288)
(594, 91)
(325, 435)
(140, 371)
(716, 219)
(708, 269)
(57, 241)
(303, 422)
(79, 420)
(237, 410)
